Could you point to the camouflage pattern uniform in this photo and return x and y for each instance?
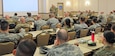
(94, 26)
(65, 49)
(106, 51)
(21, 25)
(54, 10)
(10, 21)
(6, 37)
(52, 22)
(39, 23)
(29, 19)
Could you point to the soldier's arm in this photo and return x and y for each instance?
(50, 54)
(22, 33)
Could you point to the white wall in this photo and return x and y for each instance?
(97, 5)
(76, 5)
(0, 7)
(111, 5)
(92, 6)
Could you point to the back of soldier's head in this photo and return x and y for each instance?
(82, 19)
(66, 14)
(52, 15)
(26, 47)
(3, 25)
(94, 20)
(15, 14)
(62, 35)
(29, 14)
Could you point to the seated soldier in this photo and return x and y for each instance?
(5, 36)
(95, 24)
(61, 48)
(21, 24)
(67, 17)
(80, 26)
(108, 40)
(39, 22)
(68, 25)
(10, 21)
(52, 21)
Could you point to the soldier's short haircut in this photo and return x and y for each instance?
(109, 36)
(82, 19)
(62, 34)
(26, 47)
(94, 20)
(3, 25)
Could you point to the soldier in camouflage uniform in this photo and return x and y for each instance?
(61, 48)
(21, 24)
(54, 10)
(39, 22)
(52, 21)
(95, 24)
(5, 36)
(109, 49)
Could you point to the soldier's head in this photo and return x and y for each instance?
(4, 25)
(108, 38)
(53, 5)
(113, 29)
(82, 19)
(22, 20)
(52, 15)
(26, 47)
(67, 22)
(62, 36)
(38, 16)
(94, 20)
(7, 17)
(101, 12)
(66, 14)
(29, 14)
(15, 14)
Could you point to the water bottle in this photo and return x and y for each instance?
(93, 36)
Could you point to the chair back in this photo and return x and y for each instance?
(42, 39)
(97, 30)
(45, 27)
(108, 20)
(84, 32)
(28, 36)
(6, 48)
(71, 35)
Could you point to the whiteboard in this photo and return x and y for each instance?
(21, 7)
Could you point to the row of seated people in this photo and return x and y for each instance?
(102, 17)
(66, 22)
(27, 47)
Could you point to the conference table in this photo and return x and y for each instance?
(35, 33)
(98, 44)
(83, 46)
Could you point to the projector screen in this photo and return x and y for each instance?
(20, 6)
